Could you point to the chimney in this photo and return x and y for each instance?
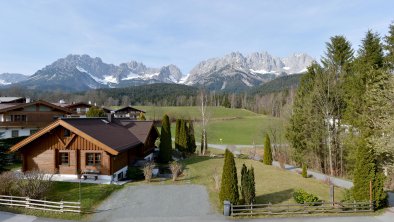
(110, 116)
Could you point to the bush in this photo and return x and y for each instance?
(301, 196)
(148, 169)
(8, 181)
(135, 173)
(176, 169)
(348, 196)
(304, 171)
(34, 184)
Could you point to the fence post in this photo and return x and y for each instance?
(27, 202)
(61, 206)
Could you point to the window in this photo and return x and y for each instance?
(93, 159)
(14, 133)
(64, 158)
(33, 131)
(66, 133)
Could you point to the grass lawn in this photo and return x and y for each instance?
(91, 196)
(226, 126)
(272, 184)
(193, 112)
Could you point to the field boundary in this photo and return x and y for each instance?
(56, 206)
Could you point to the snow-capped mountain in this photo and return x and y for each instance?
(237, 72)
(82, 72)
(10, 78)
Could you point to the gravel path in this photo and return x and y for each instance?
(153, 203)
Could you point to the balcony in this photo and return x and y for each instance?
(23, 124)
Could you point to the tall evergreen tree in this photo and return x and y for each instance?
(389, 47)
(177, 131)
(191, 140)
(339, 54)
(251, 187)
(244, 181)
(229, 185)
(165, 148)
(267, 159)
(183, 131)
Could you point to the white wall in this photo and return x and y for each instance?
(22, 132)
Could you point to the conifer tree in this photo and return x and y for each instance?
(229, 184)
(191, 140)
(389, 47)
(267, 151)
(251, 187)
(183, 131)
(165, 148)
(244, 181)
(304, 170)
(177, 131)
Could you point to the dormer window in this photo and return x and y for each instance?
(67, 133)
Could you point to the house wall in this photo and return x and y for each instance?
(42, 154)
(7, 132)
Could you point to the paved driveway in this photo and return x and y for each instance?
(157, 203)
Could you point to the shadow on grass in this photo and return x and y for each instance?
(275, 198)
(195, 159)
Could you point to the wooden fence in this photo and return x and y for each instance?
(306, 208)
(61, 206)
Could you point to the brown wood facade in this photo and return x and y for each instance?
(43, 153)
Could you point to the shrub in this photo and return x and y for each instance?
(165, 150)
(7, 183)
(267, 158)
(34, 184)
(304, 171)
(301, 196)
(176, 169)
(348, 196)
(135, 173)
(148, 169)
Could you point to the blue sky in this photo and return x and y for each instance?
(36, 33)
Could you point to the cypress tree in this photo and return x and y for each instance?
(177, 130)
(182, 143)
(304, 170)
(191, 140)
(267, 151)
(251, 186)
(244, 181)
(229, 185)
(165, 148)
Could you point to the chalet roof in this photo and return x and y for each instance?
(116, 109)
(114, 137)
(109, 133)
(6, 99)
(21, 105)
(78, 104)
(140, 129)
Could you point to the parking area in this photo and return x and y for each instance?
(150, 202)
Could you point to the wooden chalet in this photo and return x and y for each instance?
(72, 146)
(78, 109)
(24, 119)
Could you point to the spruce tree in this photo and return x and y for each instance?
(229, 184)
(177, 131)
(267, 160)
(389, 47)
(165, 147)
(191, 140)
(339, 54)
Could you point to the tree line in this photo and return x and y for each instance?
(342, 116)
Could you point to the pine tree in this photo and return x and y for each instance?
(165, 150)
(177, 131)
(229, 184)
(267, 151)
(191, 140)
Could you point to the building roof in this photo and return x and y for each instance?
(4, 99)
(14, 106)
(114, 137)
(116, 109)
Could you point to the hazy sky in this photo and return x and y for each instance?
(36, 33)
